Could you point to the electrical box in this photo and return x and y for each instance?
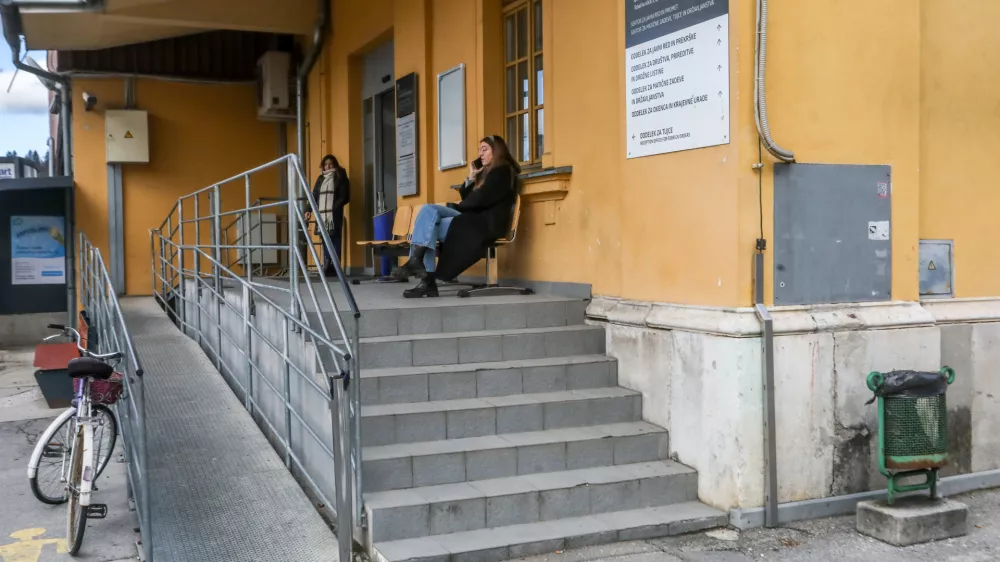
(274, 92)
(937, 275)
(127, 136)
(832, 236)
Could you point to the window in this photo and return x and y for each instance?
(524, 103)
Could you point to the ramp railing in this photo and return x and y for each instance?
(106, 332)
(272, 336)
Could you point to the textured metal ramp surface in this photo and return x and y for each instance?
(218, 490)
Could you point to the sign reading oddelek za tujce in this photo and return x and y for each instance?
(676, 75)
(38, 250)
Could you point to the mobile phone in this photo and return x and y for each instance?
(477, 163)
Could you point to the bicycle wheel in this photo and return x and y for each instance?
(76, 514)
(105, 436)
(48, 482)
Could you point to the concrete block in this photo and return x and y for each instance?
(420, 427)
(452, 386)
(615, 496)
(641, 448)
(480, 349)
(507, 317)
(546, 315)
(491, 463)
(576, 312)
(587, 375)
(541, 458)
(420, 321)
(544, 379)
(402, 389)
(912, 520)
(498, 554)
(590, 453)
(457, 516)
(514, 509)
(985, 413)
(666, 490)
(523, 346)
(369, 391)
(437, 351)
(378, 355)
(501, 382)
(434, 470)
(570, 413)
(519, 419)
(378, 430)
(536, 548)
(463, 318)
(397, 523)
(472, 423)
(388, 474)
(564, 503)
(375, 323)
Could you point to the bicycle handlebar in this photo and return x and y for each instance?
(68, 331)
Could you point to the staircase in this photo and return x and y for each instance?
(493, 428)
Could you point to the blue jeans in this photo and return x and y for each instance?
(430, 228)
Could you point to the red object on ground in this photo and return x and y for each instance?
(50, 356)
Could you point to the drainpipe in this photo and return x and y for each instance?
(319, 37)
(760, 93)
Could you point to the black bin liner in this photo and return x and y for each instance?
(913, 384)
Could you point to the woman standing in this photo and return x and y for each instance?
(331, 192)
(467, 228)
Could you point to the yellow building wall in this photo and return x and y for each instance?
(838, 94)
(960, 137)
(199, 134)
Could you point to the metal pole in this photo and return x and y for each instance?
(293, 244)
(343, 477)
(246, 348)
(770, 429)
(287, 392)
(71, 274)
(355, 439)
(181, 315)
(196, 289)
(67, 129)
(216, 237)
(247, 237)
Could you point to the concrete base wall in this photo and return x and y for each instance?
(700, 374)
(27, 330)
(307, 425)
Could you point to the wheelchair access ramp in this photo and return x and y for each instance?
(218, 490)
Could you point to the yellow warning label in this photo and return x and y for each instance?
(128, 134)
(932, 267)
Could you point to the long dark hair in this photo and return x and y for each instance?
(501, 157)
(332, 159)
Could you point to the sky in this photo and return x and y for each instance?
(24, 123)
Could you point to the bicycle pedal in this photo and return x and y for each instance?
(97, 511)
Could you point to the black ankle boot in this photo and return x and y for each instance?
(426, 288)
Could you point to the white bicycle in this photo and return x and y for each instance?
(74, 450)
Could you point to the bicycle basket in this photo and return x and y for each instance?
(106, 392)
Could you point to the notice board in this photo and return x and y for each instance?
(676, 75)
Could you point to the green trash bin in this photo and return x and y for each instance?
(913, 426)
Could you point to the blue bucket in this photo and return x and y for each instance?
(383, 231)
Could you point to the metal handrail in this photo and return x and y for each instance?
(99, 300)
(179, 283)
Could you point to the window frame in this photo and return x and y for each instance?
(533, 53)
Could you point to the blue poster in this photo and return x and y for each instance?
(38, 250)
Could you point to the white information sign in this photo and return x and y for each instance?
(8, 170)
(676, 75)
(406, 163)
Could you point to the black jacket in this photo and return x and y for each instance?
(485, 218)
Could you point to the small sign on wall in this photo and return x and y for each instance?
(407, 145)
(8, 171)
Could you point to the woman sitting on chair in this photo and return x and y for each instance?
(481, 218)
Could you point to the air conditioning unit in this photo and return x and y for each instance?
(274, 92)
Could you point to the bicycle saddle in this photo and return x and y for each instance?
(89, 367)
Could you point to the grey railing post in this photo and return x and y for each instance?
(217, 273)
(287, 392)
(248, 399)
(293, 246)
(181, 317)
(247, 236)
(196, 284)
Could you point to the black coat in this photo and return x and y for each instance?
(485, 218)
(341, 196)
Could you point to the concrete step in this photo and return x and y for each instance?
(529, 539)
(475, 417)
(396, 467)
(481, 380)
(480, 347)
(426, 316)
(470, 506)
